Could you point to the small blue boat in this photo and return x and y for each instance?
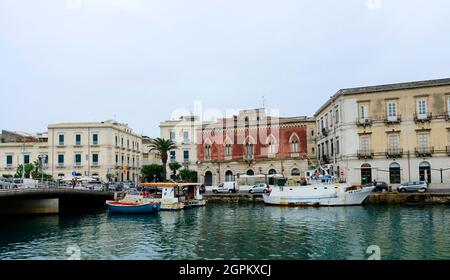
(133, 208)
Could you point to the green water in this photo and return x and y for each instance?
(234, 232)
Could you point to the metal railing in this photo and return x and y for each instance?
(393, 119)
(423, 117)
(394, 153)
(424, 151)
(365, 154)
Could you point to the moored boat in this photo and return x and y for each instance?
(134, 204)
(323, 194)
(177, 196)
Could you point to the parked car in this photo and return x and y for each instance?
(259, 188)
(381, 187)
(230, 187)
(417, 186)
(5, 183)
(95, 185)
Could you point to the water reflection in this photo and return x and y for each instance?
(234, 232)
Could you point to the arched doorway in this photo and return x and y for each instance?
(229, 176)
(425, 171)
(295, 172)
(272, 172)
(208, 179)
(394, 173)
(250, 172)
(366, 174)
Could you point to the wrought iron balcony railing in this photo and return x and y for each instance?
(393, 119)
(365, 154)
(424, 151)
(394, 153)
(423, 117)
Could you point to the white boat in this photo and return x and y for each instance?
(322, 194)
(176, 196)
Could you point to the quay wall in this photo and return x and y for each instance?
(30, 206)
(375, 198)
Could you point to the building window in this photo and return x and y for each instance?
(61, 139)
(326, 120)
(363, 112)
(9, 161)
(78, 159)
(95, 139)
(172, 136)
(117, 159)
(26, 159)
(312, 132)
(207, 152)
(249, 150)
(422, 108)
(228, 150)
(186, 156)
(448, 107)
(338, 147)
(337, 116)
(392, 111)
(332, 147)
(423, 141)
(94, 159)
(60, 160)
(173, 156)
(294, 146)
(393, 142)
(117, 141)
(364, 143)
(128, 143)
(295, 172)
(78, 139)
(186, 137)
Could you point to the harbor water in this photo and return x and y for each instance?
(233, 232)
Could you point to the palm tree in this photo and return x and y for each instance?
(174, 166)
(163, 146)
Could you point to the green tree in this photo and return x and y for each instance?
(29, 167)
(188, 176)
(174, 166)
(148, 172)
(163, 146)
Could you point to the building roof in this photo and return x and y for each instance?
(385, 87)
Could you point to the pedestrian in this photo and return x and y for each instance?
(74, 182)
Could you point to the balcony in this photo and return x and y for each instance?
(447, 149)
(424, 151)
(447, 116)
(60, 165)
(393, 120)
(394, 153)
(364, 122)
(325, 159)
(421, 118)
(365, 154)
(249, 157)
(325, 132)
(95, 164)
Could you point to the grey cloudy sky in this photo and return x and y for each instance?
(140, 60)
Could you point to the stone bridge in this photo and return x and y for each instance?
(49, 200)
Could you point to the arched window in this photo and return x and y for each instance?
(249, 148)
(394, 173)
(208, 179)
(228, 147)
(250, 172)
(294, 142)
(229, 176)
(272, 172)
(272, 145)
(208, 148)
(295, 172)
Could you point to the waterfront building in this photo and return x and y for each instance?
(253, 143)
(108, 150)
(393, 133)
(182, 132)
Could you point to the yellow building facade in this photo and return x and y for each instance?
(393, 133)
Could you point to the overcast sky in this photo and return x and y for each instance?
(140, 60)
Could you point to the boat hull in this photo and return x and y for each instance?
(127, 208)
(317, 197)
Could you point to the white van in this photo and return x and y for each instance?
(227, 187)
